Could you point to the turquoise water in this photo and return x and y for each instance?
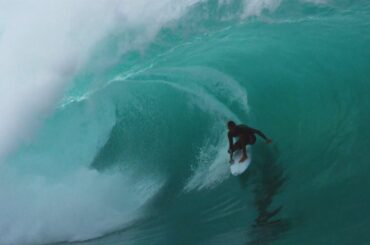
(135, 151)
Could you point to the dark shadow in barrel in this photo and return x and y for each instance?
(267, 177)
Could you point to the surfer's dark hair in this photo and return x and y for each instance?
(231, 124)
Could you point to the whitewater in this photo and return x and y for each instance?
(113, 121)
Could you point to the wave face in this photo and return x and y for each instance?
(115, 133)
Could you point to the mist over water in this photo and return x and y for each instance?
(113, 121)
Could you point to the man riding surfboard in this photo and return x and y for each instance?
(246, 137)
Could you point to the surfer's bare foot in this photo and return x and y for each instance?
(243, 159)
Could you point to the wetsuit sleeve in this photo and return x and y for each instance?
(256, 131)
(230, 137)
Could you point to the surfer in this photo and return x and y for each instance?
(246, 137)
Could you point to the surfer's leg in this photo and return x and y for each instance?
(244, 149)
(237, 146)
(234, 147)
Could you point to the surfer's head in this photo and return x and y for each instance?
(231, 125)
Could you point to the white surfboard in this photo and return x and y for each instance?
(238, 168)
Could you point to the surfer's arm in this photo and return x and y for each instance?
(262, 135)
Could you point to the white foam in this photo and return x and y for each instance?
(212, 169)
(83, 205)
(256, 7)
(318, 2)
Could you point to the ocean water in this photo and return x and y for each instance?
(113, 121)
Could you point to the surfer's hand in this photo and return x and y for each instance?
(268, 141)
(229, 151)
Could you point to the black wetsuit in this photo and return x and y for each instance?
(246, 137)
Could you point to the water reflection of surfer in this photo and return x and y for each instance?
(268, 182)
